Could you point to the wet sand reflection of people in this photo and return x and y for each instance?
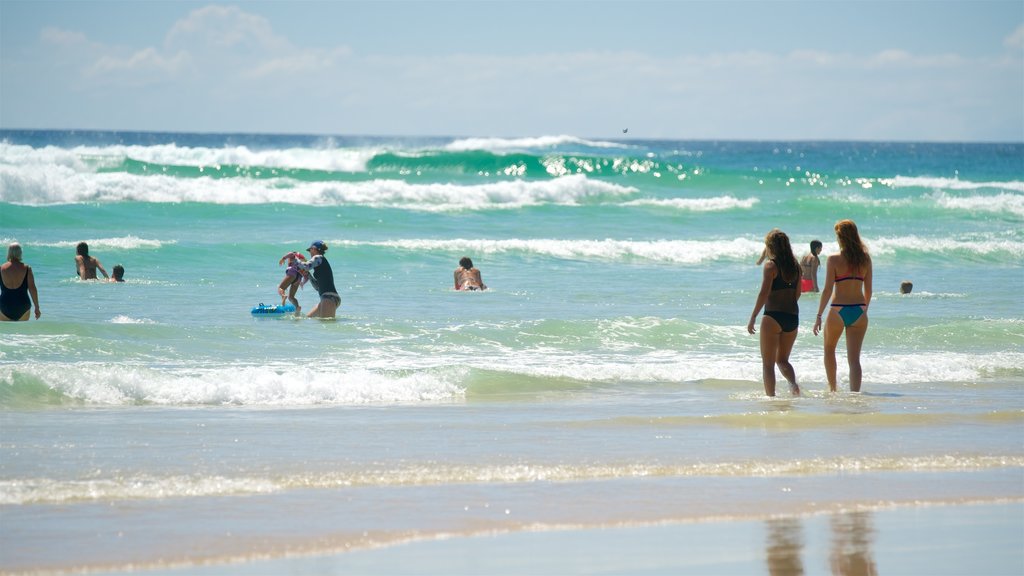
(852, 538)
(784, 546)
(850, 552)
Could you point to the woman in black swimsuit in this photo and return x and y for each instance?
(17, 284)
(780, 290)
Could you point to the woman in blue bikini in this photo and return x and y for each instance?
(780, 290)
(849, 275)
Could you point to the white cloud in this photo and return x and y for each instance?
(64, 38)
(1015, 39)
(146, 61)
(306, 61)
(225, 27)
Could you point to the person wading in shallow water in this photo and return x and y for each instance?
(87, 265)
(780, 291)
(17, 287)
(849, 274)
(322, 278)
(467, 277)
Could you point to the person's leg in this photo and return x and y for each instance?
(288, 281)
(785, 346)
(291, 297)
(770, 331)
(854, 342)
(328, 307)
(325, 308)
(833, 330)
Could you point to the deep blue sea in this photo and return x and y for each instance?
(608, 357)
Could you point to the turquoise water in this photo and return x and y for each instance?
(611, 346)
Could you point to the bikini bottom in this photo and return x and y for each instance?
(788, 322)
(850, 313)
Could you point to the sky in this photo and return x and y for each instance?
(922, 70)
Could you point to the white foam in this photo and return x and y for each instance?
(121, 319)
(999, 203)
(61, 185)
(88, 158)
(716, 204)
(944, 245)
(948, 183)
(690, 251)
(117, 243)
(506, 144)
(673, 251)
(273, 385)
(121, 487)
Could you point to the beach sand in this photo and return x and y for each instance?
(885, 523)
(965, 539)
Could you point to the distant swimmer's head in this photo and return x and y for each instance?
(906, 286)
(14, 252)
(816, 247)
(82, 249)
(118, 273)
(318, 245)
(466, 263)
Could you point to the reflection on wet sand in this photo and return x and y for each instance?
(785, 541)
(852, 536)
(850, 555)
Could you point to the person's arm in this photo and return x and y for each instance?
(32, 291)
(826, 293)
(764, 254)
(867, 286)
(480, 280)
(80, 266)
(102, 269)
(312, 263)
(457, 283)
(767, 274)
(814, 273)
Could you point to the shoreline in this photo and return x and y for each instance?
(908, 537)
(230, 535)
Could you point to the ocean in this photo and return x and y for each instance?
(605, 380)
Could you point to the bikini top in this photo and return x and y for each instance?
(849, 277)
(779, 284)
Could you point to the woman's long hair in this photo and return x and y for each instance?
(850, 245)
(780, 251)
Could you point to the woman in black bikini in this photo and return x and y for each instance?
(17, 284)
(849, 275)
(780, 290)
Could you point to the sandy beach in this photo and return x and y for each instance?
(979, 539)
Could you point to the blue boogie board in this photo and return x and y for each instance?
(272, 310)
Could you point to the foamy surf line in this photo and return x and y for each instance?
(116, 243)
(88, 159)
(18, 186)
(148, 487)
(939, 183)
(687, 251)
(399, 379)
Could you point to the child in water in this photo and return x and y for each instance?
(294, 277)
